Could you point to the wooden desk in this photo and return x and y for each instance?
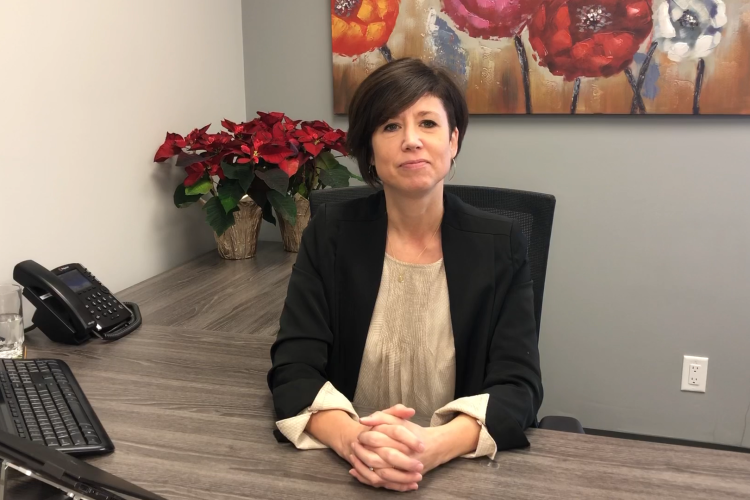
(186, 403)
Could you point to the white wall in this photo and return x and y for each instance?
(650, 257)
(87, 92)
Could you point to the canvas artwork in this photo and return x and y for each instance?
(558, 56)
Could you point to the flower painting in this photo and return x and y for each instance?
(557, 56)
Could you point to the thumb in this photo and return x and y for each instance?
(401, 411)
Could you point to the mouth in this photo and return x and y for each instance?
(414, 164)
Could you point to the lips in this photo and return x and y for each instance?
(414, 164)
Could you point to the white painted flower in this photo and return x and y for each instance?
(689, 29)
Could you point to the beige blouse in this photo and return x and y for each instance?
(409, 358)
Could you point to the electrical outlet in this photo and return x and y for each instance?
(694, 373)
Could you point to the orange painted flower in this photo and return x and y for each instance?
(359, 26)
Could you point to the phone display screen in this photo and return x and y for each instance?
(75, 280)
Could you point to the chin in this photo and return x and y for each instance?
(419, 184)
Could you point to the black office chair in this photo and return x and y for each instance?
(534, 211)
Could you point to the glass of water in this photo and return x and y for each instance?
(11, 322)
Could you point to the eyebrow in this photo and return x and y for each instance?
(421, 113)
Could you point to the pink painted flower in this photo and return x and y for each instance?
(490, 19)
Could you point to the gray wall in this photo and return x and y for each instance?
(650, 257)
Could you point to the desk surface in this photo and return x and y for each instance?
(185, 400)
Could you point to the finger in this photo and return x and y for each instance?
(364, 471)
(390, 486)
(401, 411)
(389, 464)
(398, 460)
(362, 480)
(380, 418)
(369, 457)
(402, 435)
(391, 475)
(396, 478)
(375, 439)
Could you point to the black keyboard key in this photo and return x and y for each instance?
(37, 440)
(77, 411)
(52, 442)
(89, 433)
(93, 440)
(77, 439)
(65, 442)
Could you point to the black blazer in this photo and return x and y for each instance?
(332, 293)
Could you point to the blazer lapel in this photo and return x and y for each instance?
(359, 268)
(469, 268)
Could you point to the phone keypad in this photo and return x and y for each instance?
(104, 306)
(98, 300)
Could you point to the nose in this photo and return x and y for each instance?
(412, 139)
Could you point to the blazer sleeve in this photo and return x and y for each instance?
(300, 353)
(512, 376)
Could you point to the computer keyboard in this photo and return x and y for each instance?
(42, 401)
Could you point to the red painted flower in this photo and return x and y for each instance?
(490, 19)
(575, 38)
(359, 26)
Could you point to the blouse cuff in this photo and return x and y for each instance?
(475, 407)
(328, 398)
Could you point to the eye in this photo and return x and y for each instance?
(429, 123)
(390, 127)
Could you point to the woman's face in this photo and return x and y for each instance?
(413, 151)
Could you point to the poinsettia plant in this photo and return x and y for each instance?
(271, 159)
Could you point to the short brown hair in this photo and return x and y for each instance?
(388, 91)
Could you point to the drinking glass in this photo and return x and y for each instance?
(11, 321)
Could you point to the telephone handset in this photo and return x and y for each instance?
(72, 305)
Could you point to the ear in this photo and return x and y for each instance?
(454, 142)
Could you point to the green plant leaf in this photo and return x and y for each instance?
(284, 206)
(336, 178)
(182, 199)
(275, 178)
(268, 213)
(355, 176)
(240, 172)
(203, 186)
(302, 190)
(230, 193)
(217, 217)
(326, 161)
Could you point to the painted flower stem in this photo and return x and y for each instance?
(698, 87)
(576, 89)
(641, 80)
(524, 60)
(386, 53)
(634, 86)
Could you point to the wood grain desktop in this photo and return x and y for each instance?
(185, 400)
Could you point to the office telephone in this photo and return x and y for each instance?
(72, 306)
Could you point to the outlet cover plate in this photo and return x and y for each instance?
(702, 373)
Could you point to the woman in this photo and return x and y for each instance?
(407, 300)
